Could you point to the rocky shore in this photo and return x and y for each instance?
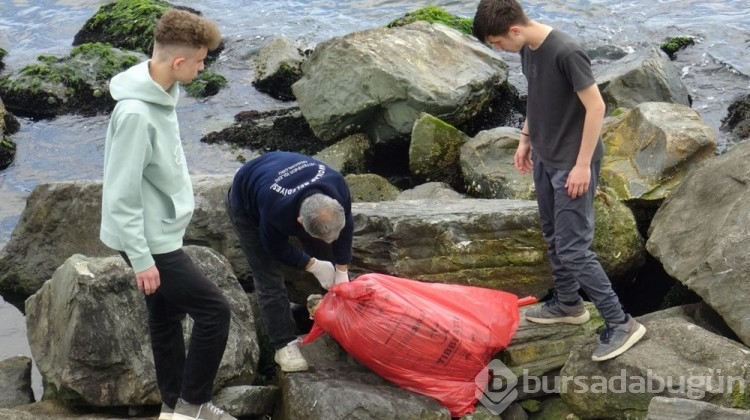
(423, 122)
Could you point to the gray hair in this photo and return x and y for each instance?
(322, 217)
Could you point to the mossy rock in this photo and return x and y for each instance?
(3, 53)
(283, 129)
(124, 24)
(435, 14)
(129, 25)
(7, 152)
(8, 125)
(77, 83)
(206, 84)
(675, 44)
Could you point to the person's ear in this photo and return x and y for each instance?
(299, 220)
(177, 62)
(514, 30)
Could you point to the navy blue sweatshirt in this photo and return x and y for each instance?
(270, 189)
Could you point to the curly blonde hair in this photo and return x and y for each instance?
(180, 28)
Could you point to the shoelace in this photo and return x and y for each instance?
(551, 302)
(606, 335)
(214, 409)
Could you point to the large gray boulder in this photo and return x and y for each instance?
(338, 387)
(488, 243)
(87, 329)
(700, 235)
(643, 76)
(379, 80)
(675, 359)
(651, 149)
(59, 220)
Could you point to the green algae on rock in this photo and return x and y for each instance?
(434, 14)
(206, 84)
(124, 24)
(675, 44)
(76, 83)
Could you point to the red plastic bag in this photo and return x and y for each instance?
(430, 338)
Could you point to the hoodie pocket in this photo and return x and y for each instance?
(182, 204)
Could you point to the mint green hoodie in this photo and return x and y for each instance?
(147, 198)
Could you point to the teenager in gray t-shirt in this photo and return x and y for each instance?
(563, 121)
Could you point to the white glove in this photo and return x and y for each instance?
(323, 271)
(341, 277)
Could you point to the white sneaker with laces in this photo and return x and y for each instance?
(206, 411)
(290, 358)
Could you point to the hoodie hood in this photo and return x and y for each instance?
(136, 83)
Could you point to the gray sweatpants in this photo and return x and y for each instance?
(568, 229)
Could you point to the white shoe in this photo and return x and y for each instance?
(290, 358)
(205, 411)
(166, 412)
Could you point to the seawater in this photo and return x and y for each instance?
(71, 147)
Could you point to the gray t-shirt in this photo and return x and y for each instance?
(555, 72)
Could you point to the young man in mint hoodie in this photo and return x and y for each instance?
(147, 203)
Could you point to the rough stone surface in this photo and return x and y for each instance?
(15, 382)
(643, 76)
(247, 400)
(87, 329)
(662, 408)
(348, 156)
(430, 190)
(675, 359)
(434, 151)
(487, 166)
(277, 68)
(367, 188)
(652, 148)
(337, 387)
(701, 235)
(737, 121)
(490, 243)
(394, 74)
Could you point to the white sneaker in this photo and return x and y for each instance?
(205, 411)
(166, 412)
(290, 358)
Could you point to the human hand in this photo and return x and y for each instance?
(341, 276)
(148, 280)
(578, 181)
(323, 271)
(522, 158)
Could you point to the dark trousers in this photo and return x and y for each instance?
(568, 229)
(185, 290)
(268, 278)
